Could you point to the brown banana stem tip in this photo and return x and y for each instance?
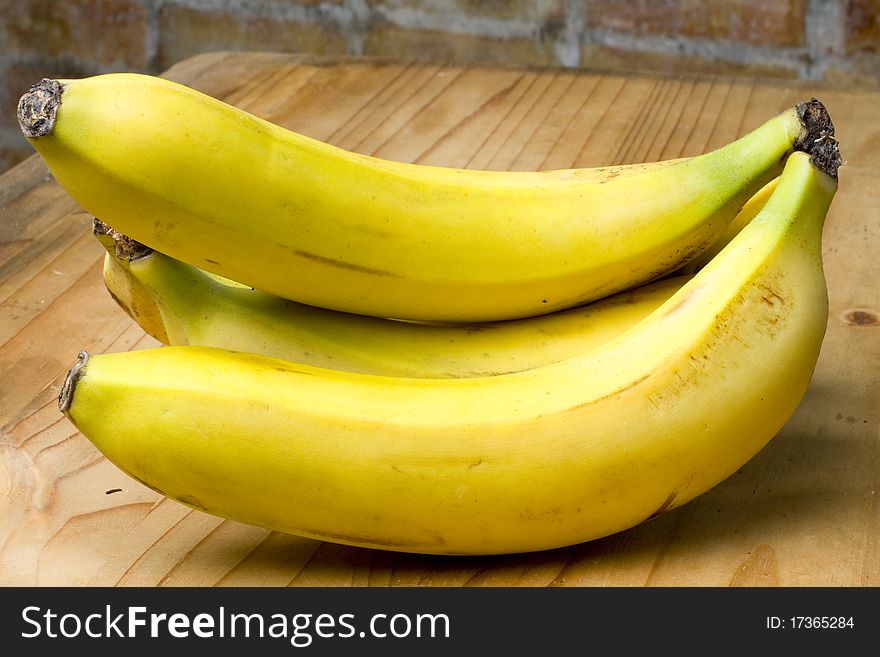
(126, 247)
(38, 106)
(65, 397)
(819, 140)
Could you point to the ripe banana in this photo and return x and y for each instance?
(228, 192)
(537, 459)
(200, 308)
(141, 305)
(196, 309)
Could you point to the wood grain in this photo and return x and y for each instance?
(803, 512)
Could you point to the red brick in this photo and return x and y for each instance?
(749, 21)
(111, 32)
(287, 3)
(860, 70)
(614, 59)
(542, 11)
(185, 31)
(862, 26)
(388, 40)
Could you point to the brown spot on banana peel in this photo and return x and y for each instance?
(621, 389)
(681, 302)
(118, 300)
(38, 108)
(191, 502)
(674, 265)
(772, 293)
(666, 506)
(74, 374)
(342, 264)
(766, 318)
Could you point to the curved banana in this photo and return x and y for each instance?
(141, 305)
(537, 459)
(196, 309)
(204, 309)
(179, 171)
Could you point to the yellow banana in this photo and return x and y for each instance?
(196, 309)
(200, 308)
(141, 305)
(537, 459)
(223, 190)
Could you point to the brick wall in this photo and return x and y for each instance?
(832, 41)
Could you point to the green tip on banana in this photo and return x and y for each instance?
(119, 245)
(65, 397)
(818, 139)
(38, 106)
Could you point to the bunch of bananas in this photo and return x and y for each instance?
(430, 359)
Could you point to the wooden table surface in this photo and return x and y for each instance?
(805, 511)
